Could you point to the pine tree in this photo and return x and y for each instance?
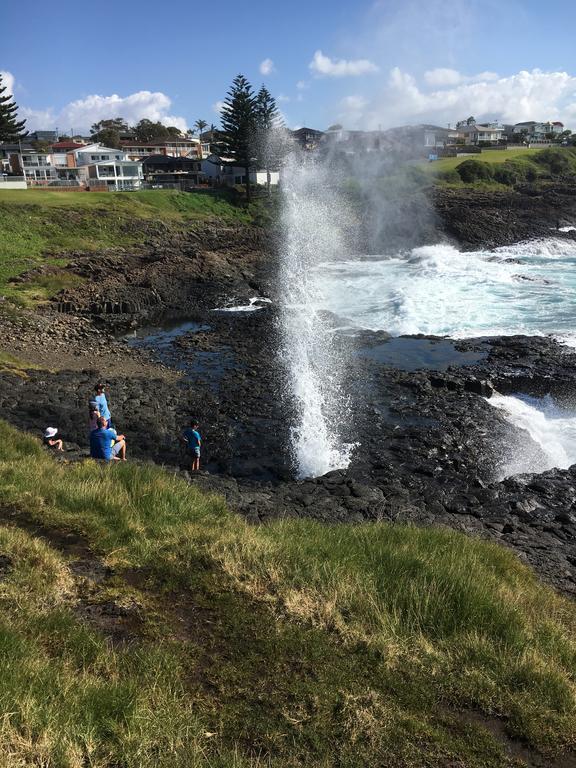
(11, 129)
(270, 133)
(238, 119)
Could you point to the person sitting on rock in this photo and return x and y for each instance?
(49, 441)
(102, 403)
(191, 437)
(106, 444)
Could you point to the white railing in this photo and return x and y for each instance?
(10, 179)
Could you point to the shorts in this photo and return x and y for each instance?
(116, 448)
(194, 452)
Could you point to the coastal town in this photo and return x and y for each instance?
(169, 158)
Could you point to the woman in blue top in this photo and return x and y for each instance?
(193, 441)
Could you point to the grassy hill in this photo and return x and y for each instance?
(143, 625)
(492, 156)
(39, 227)
(503, 168)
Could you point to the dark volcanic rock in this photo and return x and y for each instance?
(430, 446)
(476, 219)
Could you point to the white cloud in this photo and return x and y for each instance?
(82, 113)
(283, 98)
(7, 81)
(526, 95)
(267, 67)
(353, 102)
(442, 77)
(218, 107)
(324, 66)
(302, 85)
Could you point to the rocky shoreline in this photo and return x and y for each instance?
(431, 444)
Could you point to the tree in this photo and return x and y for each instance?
(108, 132)
(270, 134)
(147, 130)
(11, 129)
(471, 120)
(200, 126)
(238, 118)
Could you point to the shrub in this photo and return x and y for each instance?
(474, 170)
(450, 177)
(556, 161)
(506, 175)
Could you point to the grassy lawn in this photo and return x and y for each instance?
(288, 644)
(487, 156)
(36, 226)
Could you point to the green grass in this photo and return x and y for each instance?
(287, 644)
(39, 228)
(501, 169)
(15, 365)
(487, 156)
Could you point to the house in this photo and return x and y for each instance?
(46, 137)
(173, 147)
(105, 167)
(23, 160)
(222, 172)
(161, 169)
(308, 139)
(478, 133)
(536, 132)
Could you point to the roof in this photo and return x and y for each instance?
(67, 145)
(480, 128)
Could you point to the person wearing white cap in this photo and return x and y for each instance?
(49, 441)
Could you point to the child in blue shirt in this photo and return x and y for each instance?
(191, 437)
(102, 403)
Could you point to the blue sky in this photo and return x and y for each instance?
(366, 63)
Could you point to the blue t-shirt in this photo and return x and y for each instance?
(101, 443)
(192, 437)
(103, 406)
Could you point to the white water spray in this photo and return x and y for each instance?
(313, 223)
(552, 432)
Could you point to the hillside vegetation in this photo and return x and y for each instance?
(507, 167)
(43, 227)
(143, 625)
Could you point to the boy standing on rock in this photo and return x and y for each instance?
(193, 441)
(102, 403)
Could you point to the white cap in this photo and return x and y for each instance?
(50, 431)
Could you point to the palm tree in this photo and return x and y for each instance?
(200, 126)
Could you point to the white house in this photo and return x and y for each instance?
(36, 167)
(101, 166)
(222, 171)
(476, 133)
(537, 132)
